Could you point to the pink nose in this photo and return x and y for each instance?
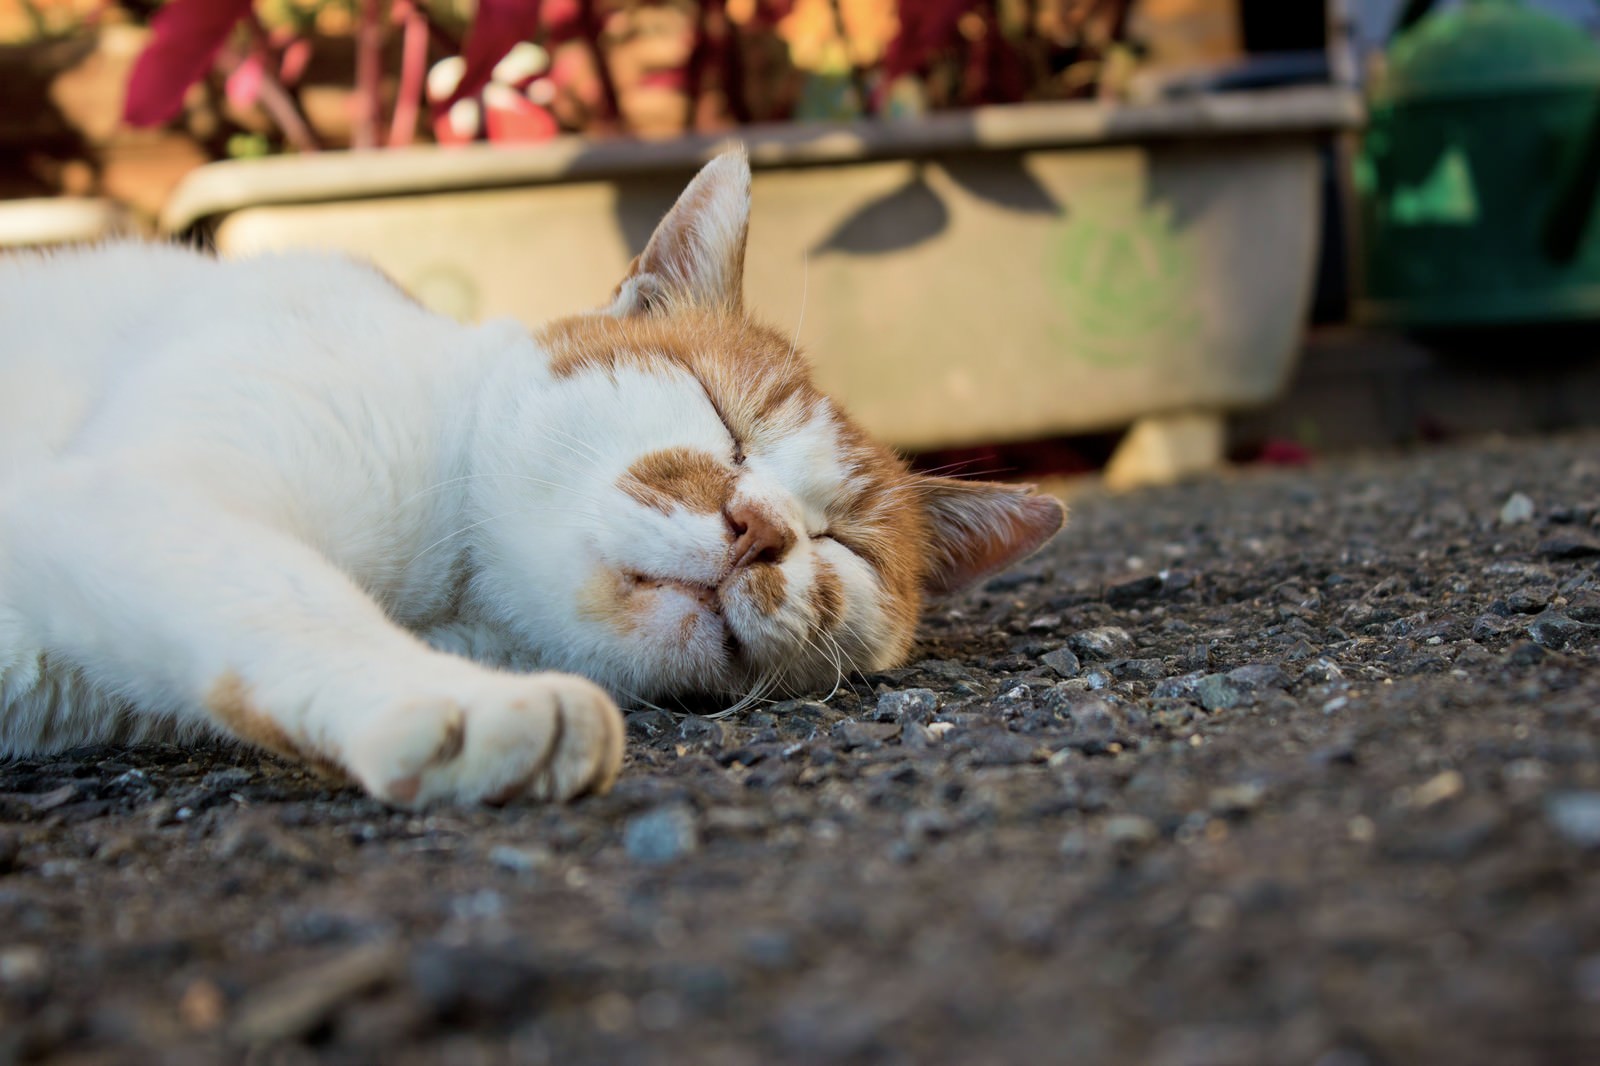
(756, 537)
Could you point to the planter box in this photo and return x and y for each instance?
(972, 277)
(48, 222)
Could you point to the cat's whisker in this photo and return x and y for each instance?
(459, 532)
(805, 293)
(594, 452)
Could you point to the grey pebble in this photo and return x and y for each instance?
(1517, 509)
(1103, 642)
(1130, 830)
(907, 705)
(1552, 629)
(661, 835)
(1576, 816)
(1062, 661)
(1219, 692)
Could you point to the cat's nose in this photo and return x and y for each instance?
(757, 538)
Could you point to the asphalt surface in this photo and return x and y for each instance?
(1293, 766)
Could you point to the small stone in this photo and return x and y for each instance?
(1093, 717)
(1237, 799)
(1131, 591)
(202, 1006)
(473, 981)
(1176, 688)
(226, 779)
(1552, 629)
(1219, 692)
(864, 736)
(650, 724)
(1138, 669)
(22, 964)
(1104, 642)
(1569, 547)
(1584, 605)
(1130, 830)
(1489, 626)
(768, 949)
(814, 709)
(703, 732)
(258, 838)
(1517, 509)
(1321, 671)
(1530, 599)
(907, 705)
(1098, 679)
(1437, 789)
(1062, 661)
(943, 670)
(1255, 676)
(518, 860)
(299, 1002)
(1576, 817)
(1045, 623)
(1525, 653)
(662, 835)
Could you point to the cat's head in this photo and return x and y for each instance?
(680, 511)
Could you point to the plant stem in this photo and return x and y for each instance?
(694, 69)
(413, 73)
(858, 77)
(590, 28)
(368, 100)
(281, 105)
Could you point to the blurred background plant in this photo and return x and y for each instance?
(523, 70)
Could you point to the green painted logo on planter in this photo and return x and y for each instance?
(1446, 197)
(1127, 282)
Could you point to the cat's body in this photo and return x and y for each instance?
(279, 500)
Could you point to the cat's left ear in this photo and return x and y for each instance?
(696, 255)
(981, 527)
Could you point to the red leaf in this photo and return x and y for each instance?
(512, 119)
(926, 28)
(496, 28)
(185, 38)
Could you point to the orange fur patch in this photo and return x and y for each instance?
(679, 477)
(765, 586)
(827, 596)
(229, 699)
(604, 598)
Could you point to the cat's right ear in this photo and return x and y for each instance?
(695, 258)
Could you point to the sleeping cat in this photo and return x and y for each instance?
(275, 499)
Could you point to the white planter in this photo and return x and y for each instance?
(974, 277)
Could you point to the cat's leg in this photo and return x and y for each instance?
(189, 609)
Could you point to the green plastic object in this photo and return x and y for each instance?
(1479, 173)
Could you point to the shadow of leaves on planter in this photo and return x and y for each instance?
(915, 213)
(905, 218)
(1003, 180)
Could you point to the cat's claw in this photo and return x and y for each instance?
(547, 737)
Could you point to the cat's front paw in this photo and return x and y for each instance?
(547, 737)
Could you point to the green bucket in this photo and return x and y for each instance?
(1478, 173)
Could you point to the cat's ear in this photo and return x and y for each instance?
(981, 527)
(696, 255)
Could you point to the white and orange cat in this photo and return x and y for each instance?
(276, 499)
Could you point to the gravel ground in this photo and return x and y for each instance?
(1286, 767)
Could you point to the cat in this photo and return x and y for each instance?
(277, 500)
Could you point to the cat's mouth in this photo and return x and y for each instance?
(708, 597)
